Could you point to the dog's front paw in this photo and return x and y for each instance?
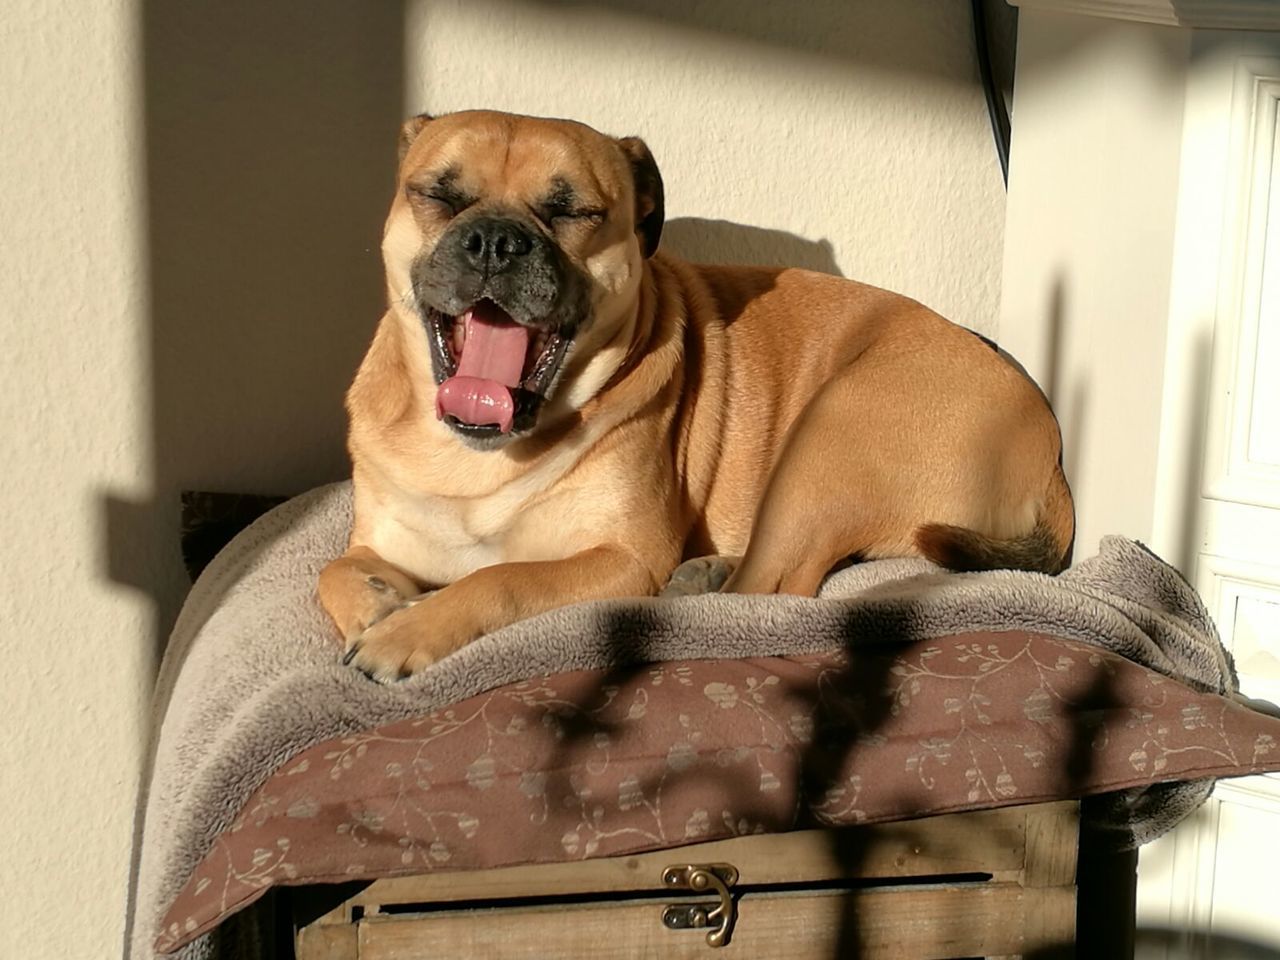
(392, 647)
(405, 642)
(699, 575)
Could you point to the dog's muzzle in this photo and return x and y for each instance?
(501, 305)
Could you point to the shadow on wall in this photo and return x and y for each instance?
(1068, 50)
(881, 34)
(1195, 415)
(270, 157)
(719, 241)
(1069, 404)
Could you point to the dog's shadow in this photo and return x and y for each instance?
(721, 241)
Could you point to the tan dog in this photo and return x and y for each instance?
(553, 412)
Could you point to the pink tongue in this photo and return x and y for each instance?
(491, 363)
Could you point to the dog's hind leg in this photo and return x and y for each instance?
(821, 502)
(882, 465)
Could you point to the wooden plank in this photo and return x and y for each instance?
(1049, 877)
(987, 841)
(326, 941)
(1049, 927)
(903, 923)
(1053, 841)
(323, 923)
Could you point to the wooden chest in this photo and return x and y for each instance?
(996, 883)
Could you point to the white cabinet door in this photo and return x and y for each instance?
(1218, 500)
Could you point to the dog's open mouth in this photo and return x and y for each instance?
(494, 372)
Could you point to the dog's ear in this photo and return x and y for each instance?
(648, 187)
(409, 131)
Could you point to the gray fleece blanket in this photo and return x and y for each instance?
(251, 675)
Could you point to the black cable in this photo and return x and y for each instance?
(996, 110)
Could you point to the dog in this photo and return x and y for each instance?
(554, 411)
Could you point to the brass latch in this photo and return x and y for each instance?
(717, 918)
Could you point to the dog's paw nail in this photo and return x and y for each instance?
(371, 671)
(350, 654)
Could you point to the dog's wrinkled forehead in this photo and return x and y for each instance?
(543, 166)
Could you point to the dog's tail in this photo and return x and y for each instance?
(1047, 548)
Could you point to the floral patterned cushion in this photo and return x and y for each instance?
(588, 764)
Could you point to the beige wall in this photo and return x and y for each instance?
(74, 404)
(850, 136)
(1093, 190)
(189, 222)
(190, 210)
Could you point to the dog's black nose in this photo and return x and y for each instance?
(491, 245)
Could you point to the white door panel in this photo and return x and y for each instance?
(1142, 287)
(1243, 441)
(1213, 876)
(1264, 424)
(1243, 906)
(1244, 599)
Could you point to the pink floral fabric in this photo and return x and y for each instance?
(589, 764)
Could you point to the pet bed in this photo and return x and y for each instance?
(614, 728)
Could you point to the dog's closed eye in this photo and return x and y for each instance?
(441, 192)
(564, 207)
(578, 217)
